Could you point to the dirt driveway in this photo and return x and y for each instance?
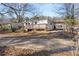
(37, 40)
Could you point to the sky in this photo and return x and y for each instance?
(45, 9)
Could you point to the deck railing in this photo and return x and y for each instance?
(36, 26)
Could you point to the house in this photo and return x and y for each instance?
(45, 23)
(36, 23)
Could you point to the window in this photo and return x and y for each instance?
(35, 22)
(50, 23)
(26, 23)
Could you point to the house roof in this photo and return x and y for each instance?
(58, 20)
(41, 18)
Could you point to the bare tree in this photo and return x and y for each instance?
(36, 12)
(3, 12)
(68, 11)
(18, 10)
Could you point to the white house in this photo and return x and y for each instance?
(46, 23)
(41, 22)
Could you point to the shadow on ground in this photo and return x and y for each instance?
(54, 40)
(11, 51)
(50, 35)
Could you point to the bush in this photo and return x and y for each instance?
(5, 27)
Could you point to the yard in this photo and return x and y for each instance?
(36, 43)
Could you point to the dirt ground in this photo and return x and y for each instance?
(50, 41)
